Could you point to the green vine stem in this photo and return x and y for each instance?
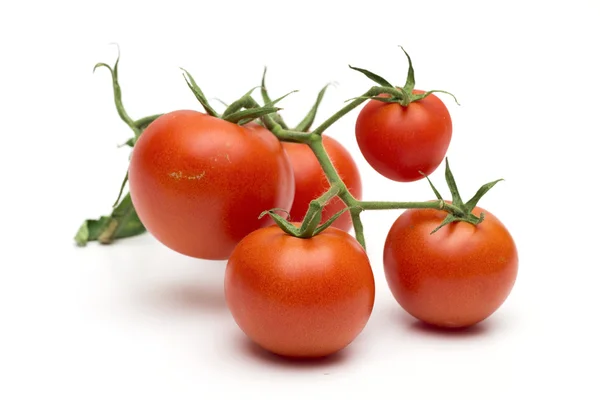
(123, 221)
(457, 210)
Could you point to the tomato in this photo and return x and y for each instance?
(300, 297)
(199, 183)
(311, 181)
(456, 277)
(399, 141)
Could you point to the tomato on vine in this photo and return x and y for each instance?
(300, 297)
(446, 271)
(199, 183)
(405, 132)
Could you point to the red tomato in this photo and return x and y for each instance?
(300, 297)
(399, 141)
(457, 276)
(199, 183)
(311, 181)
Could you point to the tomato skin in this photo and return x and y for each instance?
(454, 278)
(199, 183)
(399, 141)
(300, 298)
(311, 182)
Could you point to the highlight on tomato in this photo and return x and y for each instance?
(404, 132)
(300, 297)
(448, 271)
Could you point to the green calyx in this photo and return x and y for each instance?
(401, 95)
(311, 222)
(243, 110)
(307, 121)
(459, 210)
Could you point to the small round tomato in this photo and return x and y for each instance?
(455, 277)
(399, 141)
(199, 183)
(300, 297)
(311, 182)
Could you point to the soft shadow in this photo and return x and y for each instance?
(414, 325)
(250, 349)
(199, 291)
(188, 297)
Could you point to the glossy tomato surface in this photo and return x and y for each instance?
(453, 278)
(199, 183)
(300, 297)
(311, 182)
(399, 141)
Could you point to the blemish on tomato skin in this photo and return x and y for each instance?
(178, 175)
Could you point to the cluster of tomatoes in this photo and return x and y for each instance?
(200, 182)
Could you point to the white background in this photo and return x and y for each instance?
(135, 320)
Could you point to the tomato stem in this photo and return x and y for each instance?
(114, 73)
(246, 108)
(308, 120)
(373, 92)
(267, 99)
(457, 210)
(143, 123)
(124, 222)
(358, 227)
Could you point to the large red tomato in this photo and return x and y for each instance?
(453, 278)
(311, 181)
(300, 297)
(199, 183)
(399, 141)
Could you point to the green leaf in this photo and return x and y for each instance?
(221, 101)
(272, 103)
(263, 88)
(267, 100)
(437, 194)
(423, 95)
(374, 77)
(376, 97)
(470, 205)
(91, 230)
(330, 221)
(246, 101)
(117, 96)
(410, 77)
(311, 222)
(129, 223)
(130, 143)
(189, 79)
(250, 114)
(456, 200)
(143, 123)
(307, 122)
(449, 219)
(275, 209)
(121, 189)
(123, 222)
(283, 223)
